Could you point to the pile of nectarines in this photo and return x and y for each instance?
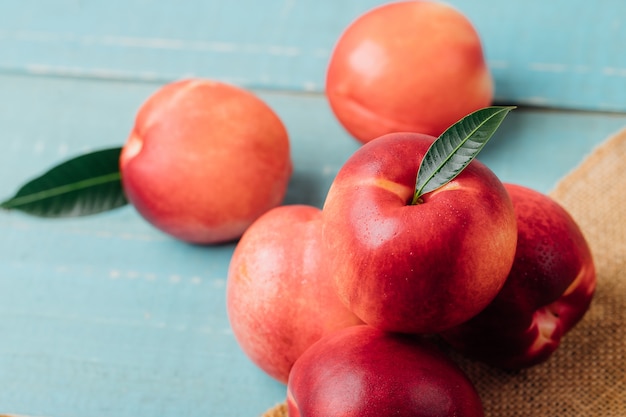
(499, 271)
(340, 302)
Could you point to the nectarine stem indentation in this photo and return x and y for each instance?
(132, 148)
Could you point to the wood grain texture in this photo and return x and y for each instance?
(106, 316)
(565, 53)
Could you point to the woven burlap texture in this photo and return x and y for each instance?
(586, 376)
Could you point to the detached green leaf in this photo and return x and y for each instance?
(456, 148)
(81, 186)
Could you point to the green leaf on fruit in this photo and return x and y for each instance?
(451, 152)
(84, 185)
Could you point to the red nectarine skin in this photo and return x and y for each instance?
(363, 372)
(416, 268)
(204, 160)
(407, 66)
(549, 288)
(280, 296)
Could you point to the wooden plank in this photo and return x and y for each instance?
(563, 53)
(106, 316)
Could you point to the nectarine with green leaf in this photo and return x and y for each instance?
(420, 235)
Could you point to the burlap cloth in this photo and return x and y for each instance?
(586, 376)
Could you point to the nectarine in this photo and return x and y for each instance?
(204, 160)
(363, 372)
(414, 66)
(280, 295)
(416, 268)
(549, 288)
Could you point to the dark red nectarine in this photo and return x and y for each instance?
(363, 372)
(549, 288)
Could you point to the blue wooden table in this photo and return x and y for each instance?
(104, 315)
